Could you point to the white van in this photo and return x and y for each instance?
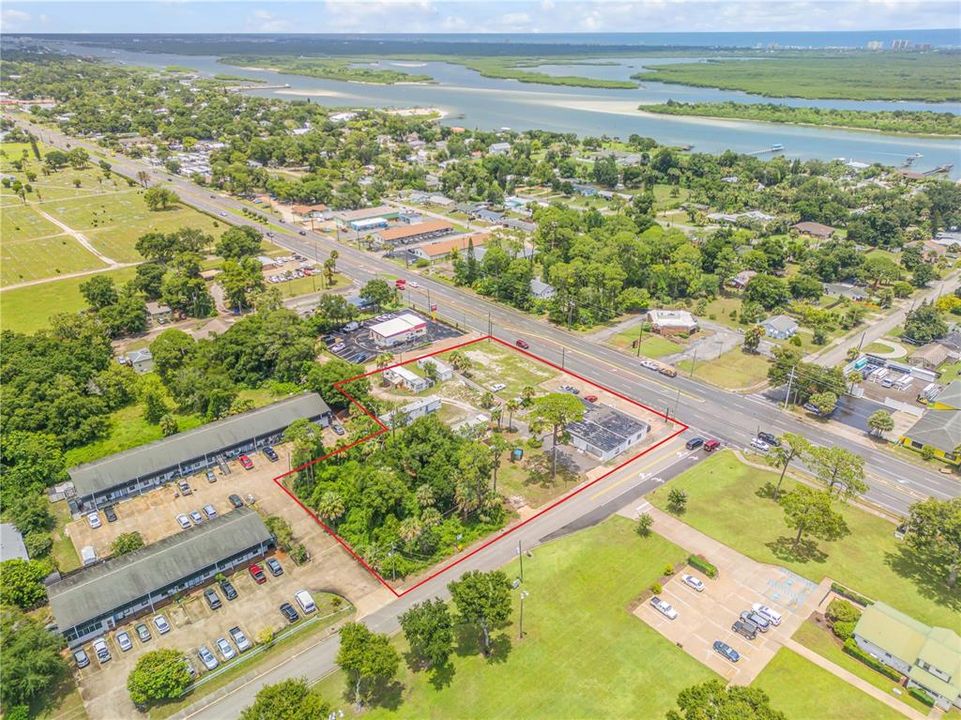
(305, 601)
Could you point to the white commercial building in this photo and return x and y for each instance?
(398, 330)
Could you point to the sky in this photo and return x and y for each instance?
(455, 16)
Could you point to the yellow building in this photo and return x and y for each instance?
(940, 426)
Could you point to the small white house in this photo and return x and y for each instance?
(404, 377)
(140, 360)
(443, 371)
(409, 413)
(780, 327)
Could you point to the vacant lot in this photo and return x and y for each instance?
(495, 364)
(723, 503)
(652, 346)
(800, 689)
(583, 656)
(734, 369)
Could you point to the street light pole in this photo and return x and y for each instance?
(523, 596)
(520, 554)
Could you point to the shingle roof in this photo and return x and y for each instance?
(205, 440)
(940, 429)
(102, 588)
(951, 395)
(780, 323)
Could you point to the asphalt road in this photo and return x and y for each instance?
(732, 418)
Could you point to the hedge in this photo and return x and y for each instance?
(699, 563)
(919, 694)
(852, 649)
(851, 595)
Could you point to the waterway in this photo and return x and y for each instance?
(474, 101)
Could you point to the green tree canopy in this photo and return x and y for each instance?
(287, 700)
(239, 242)
(482, 599)
(32, 664)
(368, 659)
(158, 675)
(712, 700)
(429, 630)
(934, 536)
(21, 582)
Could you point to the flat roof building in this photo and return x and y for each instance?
(398, 330)
(442, 248)
(606, 432)
(345, 217)
(412, 411)
(96, 599)
(405, 234)
(410, 380)
(672, 322)
(143, 468)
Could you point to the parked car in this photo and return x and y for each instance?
(183, 521)
(212, 598)
(93, 520)
(240, 640)
(101, 650)
(305, 601)
(762, 623)
(288, 610)
(160, 622)
(246, 462)
(649, 364)
(711, 445)
(338, 428)
(110, 514)
(184, 487)
(230, 592)
(123, 640)
(236, 501)
(271, 454)
(257, 573)
(773, 615)
(760, 445)
(664, 607)
(522, 344)
(80, 657)
(211, 477)
(210, 511)
(569, 389)
(745, 628)
(196, 517)
(143, 632)
(301, 232)
(274, 566)
(694, 443)
(207, 658)
(667, 370)
(769, 438)
(726, 651)
(226, 650)
(497, 387)
(693, 582)
(591, 398)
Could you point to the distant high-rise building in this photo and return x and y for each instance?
(900, 44)
(875, 45)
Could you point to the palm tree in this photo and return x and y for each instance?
(459, 361)
(384, 359)
(497, 445)
(330, 506)
(424, 496)
(333, 258)
(329, 265)
(143, 177)
(496, 414)
(527, 395)
(512, 405)
(409, 530)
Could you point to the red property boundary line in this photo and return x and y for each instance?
(383, 428)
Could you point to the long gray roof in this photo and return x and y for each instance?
(103, 588)
(207, 439)
(938, 428)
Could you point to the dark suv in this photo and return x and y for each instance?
(230, 592)
(212, 598)
(694, 443)
(768, 438)
(288, 610)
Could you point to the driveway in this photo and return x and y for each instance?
(708, 616)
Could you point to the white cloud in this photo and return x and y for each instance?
(266, 22)
(13, 20)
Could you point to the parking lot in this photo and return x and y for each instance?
(704, 617)
(356, 346)
(193, 623)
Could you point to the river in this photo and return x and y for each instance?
(474, 101)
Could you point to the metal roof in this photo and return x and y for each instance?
(100, 589)
(940, 429)
(207, 439)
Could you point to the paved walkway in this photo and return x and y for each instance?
(79, 237)
(852, 679)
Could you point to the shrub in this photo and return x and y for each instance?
(644, 523)
(669, 569)
(38, 544)
(298, 553)
(842, 611)
(280, 529)
(656, 588)
(852, 649)
(851, 595)
(699, 563)
(920, 695)
(844, 629)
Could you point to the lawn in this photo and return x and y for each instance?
(22, 222)
(40, 258)
(949, 372)
(800, 689)
(652, 346)
(723, 504)
(64, 552)
(29, 309)
(822, 641)
(494, 363)
(733, 370)
(720, 309)
(583, 656)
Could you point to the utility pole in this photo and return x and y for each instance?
(640, 334)
(790, 382)
(563, 356)
(694, 361)
(490, 324)
(520, 555)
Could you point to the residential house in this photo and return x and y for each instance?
(412, 411)
(815, 230)
(541, 290)
(158, 313)
(406, 378)
(499, 148)
(780, 327)
(442, 371)
(931, 356)
(672, 322)
(940, 427)
(140, 360)
(440, 249)
(741, 280)
(11, 543)
(930, 657)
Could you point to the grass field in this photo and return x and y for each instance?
(722, 502)
(583, 656)
(493, 363)
(29, 309)
(734, 369)
(820, 640)
(800, 689)
(43, 257)
(652, 346)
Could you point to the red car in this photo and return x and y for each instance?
(257, 573)
(591, 398)
(246, 462)
(522, 344)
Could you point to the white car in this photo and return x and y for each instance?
(773, 615)
(692, 582)
(649, 364)
(184, 521)
(101, 651)
(760, 445)
(664, 607)
(226, 651)
(93, 519)
(196, 517)
(414, 284)
(123, 640)
(160, 622)
(207, 658)
(239, 639)
(497, 387)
